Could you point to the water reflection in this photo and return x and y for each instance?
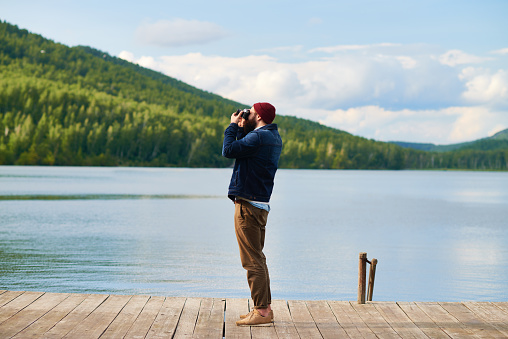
(102, 196)
(170, 232)
(481, 196)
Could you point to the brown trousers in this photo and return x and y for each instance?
(250, 225)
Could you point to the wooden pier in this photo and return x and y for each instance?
(58, 315)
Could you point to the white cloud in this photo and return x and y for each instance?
(443, 126)
(330, 83)
(179, 32)
(407, 62)
(502, 51)
(473, 122)
(342, 48)
(497, 128)
(399, 96)
(485, 87)
(382, 124)
(456, 57)
(126, 56)
(324, 83)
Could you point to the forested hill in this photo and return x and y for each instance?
(498, 141)
(80, 106)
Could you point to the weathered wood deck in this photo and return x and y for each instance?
(55, 315)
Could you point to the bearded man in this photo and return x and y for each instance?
(255, 144)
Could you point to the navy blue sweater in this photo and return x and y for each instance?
(257, 157)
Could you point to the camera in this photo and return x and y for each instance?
(243, 113)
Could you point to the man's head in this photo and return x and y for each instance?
(265, 110)
(261, 113)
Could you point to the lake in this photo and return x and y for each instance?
(438, 235)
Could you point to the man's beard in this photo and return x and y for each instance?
(248, 126)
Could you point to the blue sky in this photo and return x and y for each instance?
(421, 71)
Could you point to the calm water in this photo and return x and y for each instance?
(437, 235)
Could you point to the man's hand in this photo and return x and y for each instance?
(236, 118)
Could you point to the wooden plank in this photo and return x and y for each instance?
(479, 327)
(325, 320)
(210, 323)
(422, 320)
(303, 320)
(99, 320)
(188, 318)
(283, 323)
(77, 315)
(52, 315)
(490, 313)
(399, 321)
(445, 320)
(47, 321)
(235, 308)
(164, 325)
(266, 331)
(502, 306)
(350, 321)
(375, 320)
(17, 304)
(123, 322)
(8, 296)
(30, 314)
(146, 318)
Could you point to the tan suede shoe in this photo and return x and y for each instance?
(243, 316)
(255, 319)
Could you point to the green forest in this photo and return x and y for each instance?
(77, 106)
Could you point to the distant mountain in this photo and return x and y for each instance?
(78, 106)
(414, 145)
(503, 135)
(498, 141)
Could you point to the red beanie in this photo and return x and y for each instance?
(266, 111)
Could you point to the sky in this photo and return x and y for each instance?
(433, 71)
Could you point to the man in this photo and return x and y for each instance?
(255, 143)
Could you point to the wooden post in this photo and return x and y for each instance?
(372, 275)
(362, 274)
